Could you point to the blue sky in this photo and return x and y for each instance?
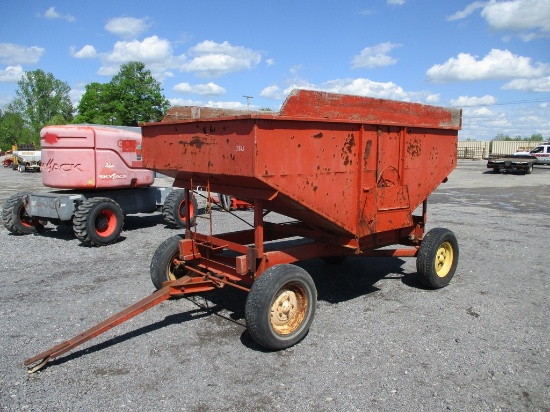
(491, 58)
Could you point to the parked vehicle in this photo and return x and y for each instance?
(354, 171)
(541, 153)
(522, 163)
(28, 160)
(100, 172)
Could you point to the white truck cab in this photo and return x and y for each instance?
(541, 152)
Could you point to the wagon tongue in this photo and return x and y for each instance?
(174, 288)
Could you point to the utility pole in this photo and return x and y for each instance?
(248, 101)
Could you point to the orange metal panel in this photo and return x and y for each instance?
(348, 166)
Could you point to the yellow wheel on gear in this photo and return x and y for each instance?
(444, 259)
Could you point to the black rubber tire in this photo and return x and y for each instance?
(15, 217)
(163, 268)
(174, 209)
(225, 201)
(98, 221)
(285, 287)
(529, 169)
(437, 258)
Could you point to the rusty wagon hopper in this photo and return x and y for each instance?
(348, 170)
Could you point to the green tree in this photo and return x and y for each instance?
(95, 105)
(132, 97)
(13, 130)
(39, 98)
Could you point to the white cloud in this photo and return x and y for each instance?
(529, 18)
(396, 2)
(498, 64)
(273, 92)
(211, 59)
(209, 89)
(16, 54)
(86, 52)
(229, 105)
(433, 98)
(270, 62)
(52, 14)
(375, 56)
(154, 52)
(127, 27)
(12, 74)
(210, 103)
(470, 8)
(541, 85)
(465, 101)
(359, 87)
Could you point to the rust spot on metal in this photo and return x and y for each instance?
(347, 149)
(414, 148)
(368, 148)
(197, 141)
(318, 135)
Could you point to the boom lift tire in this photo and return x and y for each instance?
(15, 217)
(98, 221)
(280, 306)
(165, 264)
(225, 201)
(175, 209)
(437, 258)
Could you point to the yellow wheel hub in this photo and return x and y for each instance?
(444, 259)
(288, 310)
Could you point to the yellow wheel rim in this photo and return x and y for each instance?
(176, 269)
(288, 309)
(444, 259)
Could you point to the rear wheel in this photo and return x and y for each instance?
(280, 306)
(529, 169)
(98, 221)
(437, 258)
(15, 218)
(225, 201)
(165, 264)
(174, 209)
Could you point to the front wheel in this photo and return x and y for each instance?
(280, 306)
(98, 221)
(15, 217)
(437, 258)
(165, 264)
(529, 169)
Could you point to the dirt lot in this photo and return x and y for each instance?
(379, 341)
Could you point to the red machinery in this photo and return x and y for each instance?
(99, 174)
(350, 170)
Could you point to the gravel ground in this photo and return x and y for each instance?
(379, 341)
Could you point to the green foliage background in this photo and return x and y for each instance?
(132, 97)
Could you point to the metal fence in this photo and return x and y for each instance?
(482, 150)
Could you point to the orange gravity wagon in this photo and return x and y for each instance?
(349, 171)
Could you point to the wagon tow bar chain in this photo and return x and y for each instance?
(169, 289)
